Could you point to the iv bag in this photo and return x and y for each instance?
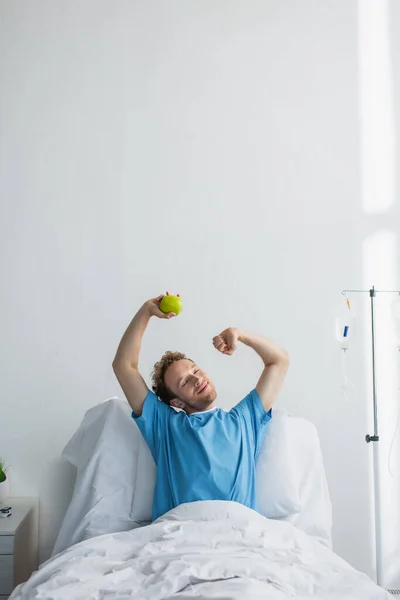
(396, 318)
(344, 323)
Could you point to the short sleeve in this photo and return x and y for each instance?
(252, 412)
(153, 421)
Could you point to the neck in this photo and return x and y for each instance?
(191, 409)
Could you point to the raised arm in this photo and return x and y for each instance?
(275, 359)
(126, 361)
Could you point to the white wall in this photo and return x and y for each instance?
(201, 147)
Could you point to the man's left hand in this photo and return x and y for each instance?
(226, 342)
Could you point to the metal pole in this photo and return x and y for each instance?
(376, 434)
(378, 523)
(375, 438)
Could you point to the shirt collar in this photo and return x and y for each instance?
(203, 412)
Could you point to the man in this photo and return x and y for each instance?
(202, 452)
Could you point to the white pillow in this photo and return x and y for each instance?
(291, 458)
(276, 484)
(106, 433)
(306, 459)
(142, 502)
(105, 451)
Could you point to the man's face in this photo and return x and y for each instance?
(192, 388)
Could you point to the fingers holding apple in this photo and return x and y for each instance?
(171, 305)
(165, 306)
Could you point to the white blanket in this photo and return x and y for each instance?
(202, 550)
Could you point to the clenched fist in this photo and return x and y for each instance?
(226, 342)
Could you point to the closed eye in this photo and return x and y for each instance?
(185, 382)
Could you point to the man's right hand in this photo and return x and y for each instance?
(153, 308)
(126, 360)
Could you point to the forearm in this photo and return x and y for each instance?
(130, 344)
(269, 351)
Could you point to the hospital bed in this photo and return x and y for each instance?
(108, 548)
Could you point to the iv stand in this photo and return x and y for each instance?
(375, 437)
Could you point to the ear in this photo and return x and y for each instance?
(177, 403)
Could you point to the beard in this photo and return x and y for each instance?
(204, 400)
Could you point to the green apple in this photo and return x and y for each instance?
(171, 304)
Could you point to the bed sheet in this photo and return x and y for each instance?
(204, 550)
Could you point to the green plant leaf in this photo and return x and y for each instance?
(3, 470)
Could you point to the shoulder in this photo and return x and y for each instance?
(251, 405)
(152, 404)
(250, 399)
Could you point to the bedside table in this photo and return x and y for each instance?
(18, 544)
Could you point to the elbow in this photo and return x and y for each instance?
(280, 360)
(120, 364)
(117, 364)
(284, 359)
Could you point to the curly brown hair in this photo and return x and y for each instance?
(158, 374)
